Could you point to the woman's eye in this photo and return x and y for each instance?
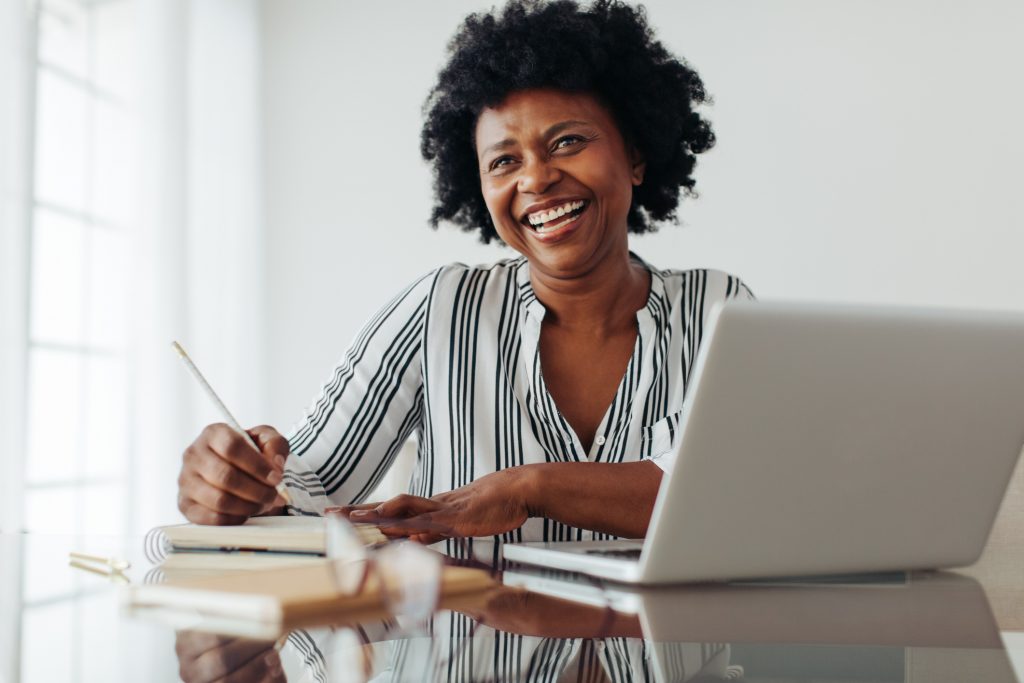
(568, 141)
(501, 161)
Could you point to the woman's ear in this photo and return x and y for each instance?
(638, 166)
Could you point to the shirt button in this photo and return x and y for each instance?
(599, 441)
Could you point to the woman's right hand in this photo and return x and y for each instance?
(224, 481)
(205, 657)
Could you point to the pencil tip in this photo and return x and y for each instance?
(282, 491)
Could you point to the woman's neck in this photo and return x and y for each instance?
(603, 300)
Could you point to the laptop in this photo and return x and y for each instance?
(822, 439)
(895, 626)
(924, 609)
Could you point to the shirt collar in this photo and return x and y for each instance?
(527, 297)
(535, 309)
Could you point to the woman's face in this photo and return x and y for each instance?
(557, 178)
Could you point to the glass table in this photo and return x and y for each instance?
(65, 624)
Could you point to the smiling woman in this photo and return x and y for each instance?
(606, 51)
(552, 161)
(541, 388)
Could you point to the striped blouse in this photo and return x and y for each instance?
(452, 647)
(454, 360)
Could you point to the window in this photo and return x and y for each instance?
(81, 217)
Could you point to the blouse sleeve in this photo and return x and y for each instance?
(348, 438)
(661, 441)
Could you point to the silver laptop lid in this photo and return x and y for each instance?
(819, 439)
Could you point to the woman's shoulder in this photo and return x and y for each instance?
(454, 282)
(508, 265)
(453, 276)
(701, 284)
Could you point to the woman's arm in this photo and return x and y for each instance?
(368, 406)
(343, 446)
(614, 498)
(518, 611)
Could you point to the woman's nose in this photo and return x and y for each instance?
(537, 175)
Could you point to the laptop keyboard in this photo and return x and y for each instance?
(623, 554)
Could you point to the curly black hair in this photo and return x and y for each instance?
(605, 49)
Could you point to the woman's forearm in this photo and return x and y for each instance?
(615, 498)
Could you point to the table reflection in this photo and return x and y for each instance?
(511, 635)
(62, 624)
(887, 633)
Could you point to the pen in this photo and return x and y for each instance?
(113, 563)
(281, 489)
(110, 567)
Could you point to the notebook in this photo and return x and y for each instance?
(280, 599)
(282, 534)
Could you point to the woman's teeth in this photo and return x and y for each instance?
(542, 229)
(544, 221)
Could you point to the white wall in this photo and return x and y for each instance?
(869, 151)
(199, 248)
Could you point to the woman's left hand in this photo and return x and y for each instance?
(491, 505)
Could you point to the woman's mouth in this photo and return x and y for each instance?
(548, 221)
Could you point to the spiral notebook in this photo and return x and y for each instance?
(295, 535)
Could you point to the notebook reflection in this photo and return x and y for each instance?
(936, 628)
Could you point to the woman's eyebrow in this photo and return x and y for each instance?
(503, 144)
(559, 127)
(553, 130)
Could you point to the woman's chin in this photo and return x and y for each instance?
(564, 262)
(565, 252)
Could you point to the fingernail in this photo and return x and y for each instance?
(279, 461)
(358, 513)
(271, 660)
(274, 477)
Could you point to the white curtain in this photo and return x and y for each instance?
(14, 158)
(197, 272)
(199, 261)
(15, 111)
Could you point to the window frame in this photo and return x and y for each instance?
(84, 350)
(15, 244)
(18, 36)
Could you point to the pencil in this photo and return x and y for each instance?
(281, 489)
(115, 564)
